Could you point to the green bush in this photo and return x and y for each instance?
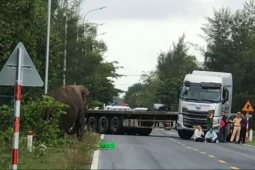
(46, 132)
(31, 118)
(6, 116)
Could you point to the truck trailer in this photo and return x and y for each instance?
(200, 92)
(136, 121)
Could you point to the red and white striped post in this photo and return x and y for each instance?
(247, 127)
(16, 121)
(29, 140)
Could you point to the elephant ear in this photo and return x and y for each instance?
(84, 94)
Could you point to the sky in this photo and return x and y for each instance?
(137, 31)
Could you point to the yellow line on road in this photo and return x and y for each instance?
(233, 167)
(211, 156)
(222, 161)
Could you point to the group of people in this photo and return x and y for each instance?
(237, 132)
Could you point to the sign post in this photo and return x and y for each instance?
(18, 71)
(248, 108)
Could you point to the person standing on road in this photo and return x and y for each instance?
(211, 137)
(223, 124)
(199, 134)
(243, 129)
(237, 127)
(210, 120)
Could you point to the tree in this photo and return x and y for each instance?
(172, 67)
(85, 63)
(231, 40)
(160, 86)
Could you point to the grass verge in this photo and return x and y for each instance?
(251, 142)
(71, 155)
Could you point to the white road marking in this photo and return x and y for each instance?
(222, 161)
(233, 167)
(95, 159)
(211, 156)
(94, 164)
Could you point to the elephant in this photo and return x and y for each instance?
(76, 97)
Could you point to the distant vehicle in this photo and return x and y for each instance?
(107, 107)
(140, 109)
(161, 107)
(120, 108)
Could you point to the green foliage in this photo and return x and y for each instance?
(161, 86)
(5, 117)
(31, 118)
(26, 21)
(133, 95)
(32, 113)
(231, 48)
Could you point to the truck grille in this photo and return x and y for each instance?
(191, 118)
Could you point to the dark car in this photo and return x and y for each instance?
(163, 107)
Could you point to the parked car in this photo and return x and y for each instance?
(120, 108)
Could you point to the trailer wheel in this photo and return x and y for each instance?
(103, 125)
(92, 124)
(144, 131)
(115, 125)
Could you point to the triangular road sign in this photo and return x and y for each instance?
(29, 74)
(248, 107)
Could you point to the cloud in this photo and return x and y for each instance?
(138, 30)
(146, 9)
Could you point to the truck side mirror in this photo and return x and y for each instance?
(225, 95)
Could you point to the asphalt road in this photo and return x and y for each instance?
(165, 150)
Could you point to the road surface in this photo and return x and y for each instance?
(165, 150)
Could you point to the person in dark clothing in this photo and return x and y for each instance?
(223, 124)
(243, 129)
(210, 120)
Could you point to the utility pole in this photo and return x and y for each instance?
(77, 41)
(64, 59)
(47, 49)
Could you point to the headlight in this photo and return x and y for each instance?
(180, 118)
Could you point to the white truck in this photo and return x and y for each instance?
(200, 92)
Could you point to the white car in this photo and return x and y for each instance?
(120, 108)
(140, 109)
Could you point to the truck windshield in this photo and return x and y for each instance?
(199, 93)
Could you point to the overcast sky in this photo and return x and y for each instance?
(138, 30)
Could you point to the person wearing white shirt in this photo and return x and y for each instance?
(211, 136)
(199, 134)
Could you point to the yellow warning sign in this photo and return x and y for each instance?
(248, 107)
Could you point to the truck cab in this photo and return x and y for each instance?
(200, 92)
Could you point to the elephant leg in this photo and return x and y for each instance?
(80, 124)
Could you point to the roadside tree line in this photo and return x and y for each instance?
(26, 21)
(230, 38)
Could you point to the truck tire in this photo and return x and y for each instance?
(185, 134)
(115, 125)
(92, 124)
(144, 131)
(103, 125)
